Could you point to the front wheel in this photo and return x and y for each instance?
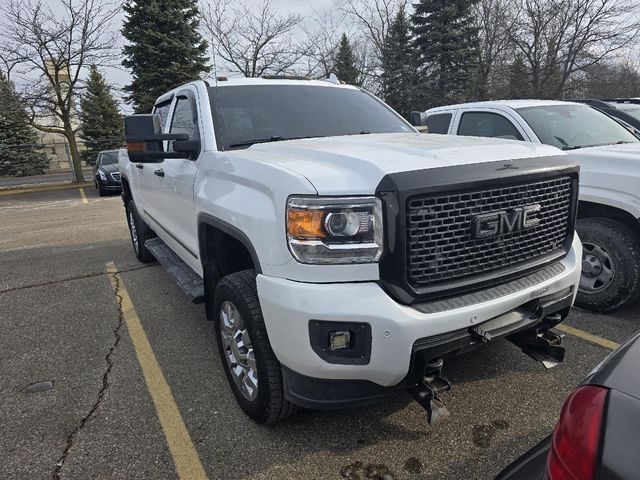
(610, 264)
(251, 367)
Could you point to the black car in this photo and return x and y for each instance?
(106, 175)
(627, 111)
(598, 433)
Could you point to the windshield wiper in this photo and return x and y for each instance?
(273, 138)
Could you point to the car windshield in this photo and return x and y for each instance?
(109, 158)
(633, 110)
(574, 126)
(248, 114)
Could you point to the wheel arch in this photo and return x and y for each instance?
(218, 239)
(592, 209)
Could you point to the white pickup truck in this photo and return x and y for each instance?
(609, 159)
(339, 253)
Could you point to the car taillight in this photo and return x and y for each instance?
(576, 438)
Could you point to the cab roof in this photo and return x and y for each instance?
(514, 104)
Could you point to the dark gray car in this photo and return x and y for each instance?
(598, 433)
(106, 175)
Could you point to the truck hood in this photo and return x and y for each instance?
(355, 164)
(627, 154)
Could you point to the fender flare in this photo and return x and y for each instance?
(232, 231)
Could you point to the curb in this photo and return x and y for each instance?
(43, 188)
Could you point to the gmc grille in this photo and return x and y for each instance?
(442, 245)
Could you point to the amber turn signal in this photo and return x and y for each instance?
(136, 147)
(305, 224)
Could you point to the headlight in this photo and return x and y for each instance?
(103, 176)
(335, 230)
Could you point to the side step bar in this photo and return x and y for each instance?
(188, 280)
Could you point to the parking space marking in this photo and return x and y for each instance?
(185, 457)
(589, 337)
(83, 196)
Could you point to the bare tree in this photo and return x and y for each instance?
(374, 18)
(322, 32)
(253, 42)
(49, 47)
(495, 20)
(558, 38)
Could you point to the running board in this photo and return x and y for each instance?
(188, 280)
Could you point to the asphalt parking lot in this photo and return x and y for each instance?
(68, 321)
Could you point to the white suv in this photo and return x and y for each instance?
(339, 253)
(609, 159)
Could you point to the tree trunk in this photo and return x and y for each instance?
(75, 155)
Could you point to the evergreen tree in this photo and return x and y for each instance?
(398, 79)
(102, 124)
(164, 48)
(446, 42)
(20, 151)
(519, 85)
(345, 63)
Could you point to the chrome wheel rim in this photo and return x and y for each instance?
(133, 230)
(598, 270)
(238, 350)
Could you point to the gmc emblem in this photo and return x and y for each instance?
(491, 224)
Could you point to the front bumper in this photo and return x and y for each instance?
(289, 306)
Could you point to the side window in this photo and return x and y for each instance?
(184, 118)
(162, 109)
(485, 124)
(438, 123)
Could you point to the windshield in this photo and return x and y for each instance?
(574, 126)
(108, 158)
(633, 110)
(267, 113)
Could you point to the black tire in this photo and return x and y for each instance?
(101, 191)
(270, 405)
(142, 231)
(619, 247)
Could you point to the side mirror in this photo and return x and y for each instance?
(145, 139)
(415, 118)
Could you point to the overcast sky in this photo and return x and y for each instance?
(119, 77)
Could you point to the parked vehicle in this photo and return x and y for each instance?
(609, 158)
(106, 175)
(339, 253)
(625, 111)
(598, 433)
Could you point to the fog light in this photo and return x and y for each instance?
(339, 340)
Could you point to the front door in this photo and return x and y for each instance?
(175, 212)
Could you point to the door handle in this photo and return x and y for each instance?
(139, 166)
(159, 172)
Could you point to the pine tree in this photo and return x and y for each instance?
(20, 151)
(446, 42)
(345, 63)
(519, 85)
(102, 124)
(398, 66)
(164, 48)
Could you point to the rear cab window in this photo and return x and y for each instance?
(439, 123)
(487, 124)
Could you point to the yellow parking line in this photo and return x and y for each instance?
(589, 337)
(185, 457)
(44, 188)
(83, 196)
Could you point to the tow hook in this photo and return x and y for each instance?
(541, 344)
(426, 393)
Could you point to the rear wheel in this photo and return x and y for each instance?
(140, 233)
(610, 264)
(252, 369)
